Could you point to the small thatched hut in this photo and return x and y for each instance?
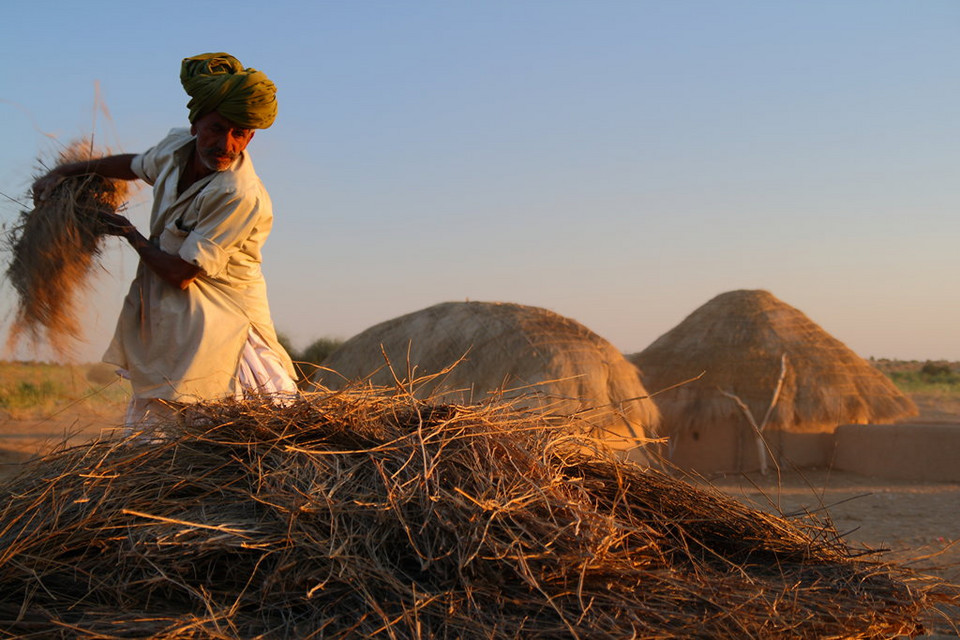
(528, 355)
(750, 346)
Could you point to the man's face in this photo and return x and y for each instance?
(219, 141)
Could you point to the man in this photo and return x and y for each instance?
(196, 324)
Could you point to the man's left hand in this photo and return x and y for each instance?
(116, 224)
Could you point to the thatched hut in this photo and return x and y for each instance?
(753, 349)
(528, 355)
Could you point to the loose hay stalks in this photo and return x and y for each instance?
(53, 250)
(362, 515)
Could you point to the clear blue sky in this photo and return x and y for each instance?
(617, 162)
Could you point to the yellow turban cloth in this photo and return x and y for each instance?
(218, 82)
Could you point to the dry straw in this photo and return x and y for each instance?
(361, 514)
(54, 249)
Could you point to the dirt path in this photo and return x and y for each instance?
(21, 440)
(916, 524)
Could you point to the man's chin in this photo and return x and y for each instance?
(217, 164)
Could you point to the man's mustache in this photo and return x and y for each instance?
(220, 153)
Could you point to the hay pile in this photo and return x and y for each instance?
(362, 515)
(53, 250)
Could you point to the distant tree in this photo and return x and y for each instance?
(308, 360)
(932, 369)
(319, 349)
(284, 341)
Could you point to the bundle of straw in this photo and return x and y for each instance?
(359, 514)
(53, 250)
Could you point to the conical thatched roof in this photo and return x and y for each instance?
(508, 349)
(738, 339)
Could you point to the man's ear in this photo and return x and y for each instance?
(193, 129)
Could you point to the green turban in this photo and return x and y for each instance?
(218, 82)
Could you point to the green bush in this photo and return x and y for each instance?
(318, 350)
(30, 395)
(919, 382)
(937, 370)
(308, 360)
(37, 389)
(285, 342)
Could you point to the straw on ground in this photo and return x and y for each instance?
(366, 514)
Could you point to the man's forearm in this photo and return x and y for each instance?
(172, 269)
(117, 167)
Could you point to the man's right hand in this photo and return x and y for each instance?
(116, 167)
(44, 186)
(116, 224)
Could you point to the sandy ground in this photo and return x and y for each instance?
(913, 524)
(21, 440)
(916, 524)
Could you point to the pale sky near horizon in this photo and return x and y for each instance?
(620, 163)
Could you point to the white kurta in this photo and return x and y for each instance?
(186, 346)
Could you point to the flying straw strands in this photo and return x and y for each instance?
(53, 251)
